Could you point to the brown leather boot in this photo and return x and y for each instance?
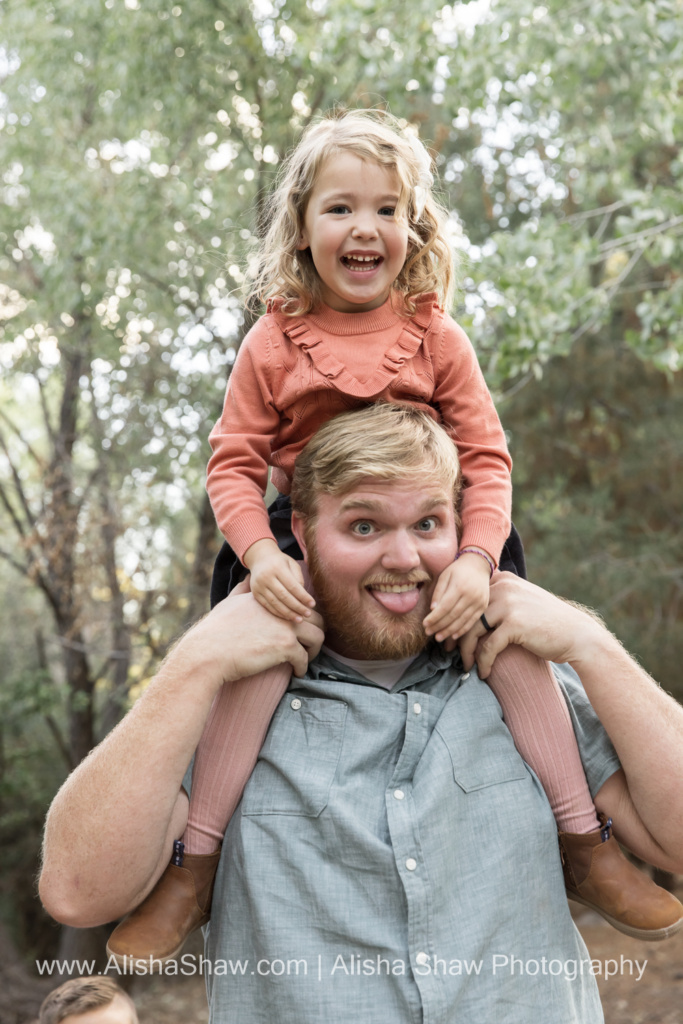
(598, 875)
(178, 904)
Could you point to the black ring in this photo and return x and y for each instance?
(485, 623)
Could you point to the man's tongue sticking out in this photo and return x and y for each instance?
(399, 599)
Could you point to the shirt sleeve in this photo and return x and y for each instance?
(468, 413)
(186, 784)
(599, 757)
(241, 441)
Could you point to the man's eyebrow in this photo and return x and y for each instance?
(365, 504)
(369, 505)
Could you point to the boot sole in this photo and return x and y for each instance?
(129, 962)
(646, 934)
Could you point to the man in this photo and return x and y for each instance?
(392, 858)
(88, 1001)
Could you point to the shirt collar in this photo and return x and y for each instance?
(432, 660)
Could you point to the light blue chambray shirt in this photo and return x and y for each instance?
(394, 860)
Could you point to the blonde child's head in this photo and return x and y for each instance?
(283, 270)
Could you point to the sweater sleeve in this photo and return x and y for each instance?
(241, 441)
(469, 415)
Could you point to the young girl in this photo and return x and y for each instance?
(356, 272)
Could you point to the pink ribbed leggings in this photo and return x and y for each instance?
(533, 708)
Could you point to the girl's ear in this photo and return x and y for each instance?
(303, 242)
(298, 525)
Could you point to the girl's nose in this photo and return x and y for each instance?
(364, 226)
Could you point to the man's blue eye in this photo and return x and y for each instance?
(363, 528)
(427, 525)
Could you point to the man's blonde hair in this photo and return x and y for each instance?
(282, 270)
(386, 441)
(81, 995)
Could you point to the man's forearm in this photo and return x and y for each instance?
(646, 727)
(108, 828)
(643, 722)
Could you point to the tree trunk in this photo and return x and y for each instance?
(84, 945)
(121, 645)
(208, 541)
(81, 685)
(21, 992)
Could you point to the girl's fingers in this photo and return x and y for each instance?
(439, 619)
(302, 598)
(297, 589)
(457, 625)
(286, 604)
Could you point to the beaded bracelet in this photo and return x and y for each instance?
(482, 554)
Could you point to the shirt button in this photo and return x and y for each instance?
(422, 959)
(411, 864)
(295, 704)
(466, 675)
(417, 708)
(399, 794)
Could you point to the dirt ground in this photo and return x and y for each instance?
(657, 998)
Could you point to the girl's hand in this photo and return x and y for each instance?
(460, 596)
(277, 582)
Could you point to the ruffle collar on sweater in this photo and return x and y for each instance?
(301, 332)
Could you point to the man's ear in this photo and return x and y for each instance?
(298, 529)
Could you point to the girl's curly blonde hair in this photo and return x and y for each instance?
(281, 270)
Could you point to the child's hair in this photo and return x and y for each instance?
(284, 271)
(79, 995)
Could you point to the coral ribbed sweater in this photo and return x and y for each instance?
(292, 374)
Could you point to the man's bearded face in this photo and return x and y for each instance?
(374, 556)
(394, 638)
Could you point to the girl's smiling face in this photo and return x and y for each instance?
(357, 245)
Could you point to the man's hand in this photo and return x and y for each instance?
(277, 582)
(258, 640)
(460, 596)
(521, 613)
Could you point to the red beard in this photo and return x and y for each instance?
(394, 638)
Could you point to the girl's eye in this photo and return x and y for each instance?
(387, 211)
(427, 525)
(338, 209)
(363, 528)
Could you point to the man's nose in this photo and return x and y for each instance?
(400, 552)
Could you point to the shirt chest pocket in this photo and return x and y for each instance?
(298, 760)
(481, 749)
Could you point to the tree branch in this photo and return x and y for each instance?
(600, 211)
(59, 741)
(628, 240)
(17, 433)
(592, 320)
(46, 412)
(18, 525)
(25, 570)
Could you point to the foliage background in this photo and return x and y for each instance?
(138, 142)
